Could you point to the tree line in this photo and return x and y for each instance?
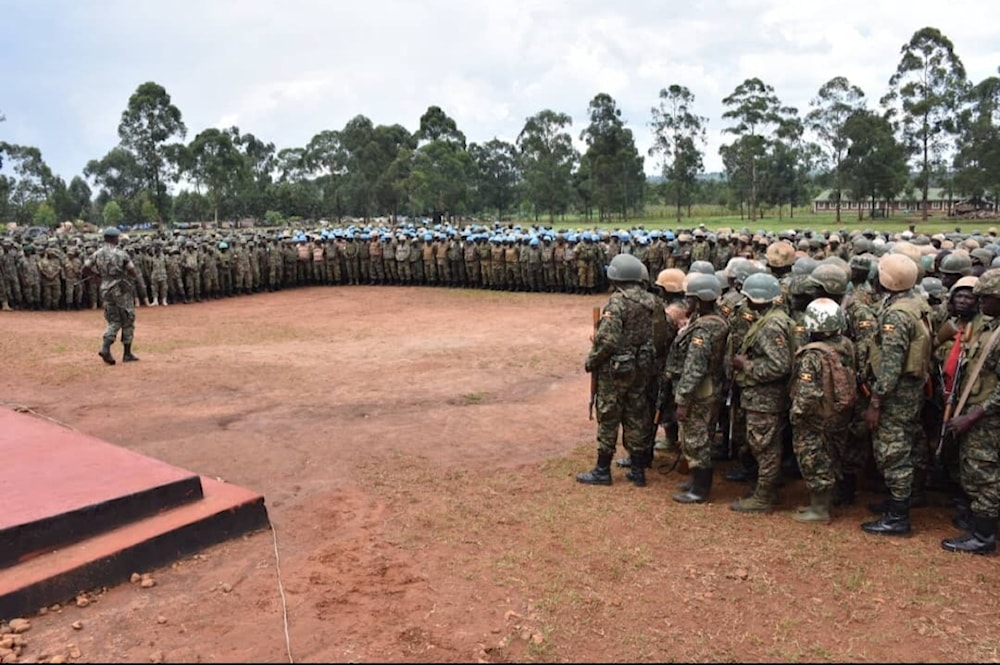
(931, 127)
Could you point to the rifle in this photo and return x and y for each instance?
(950, 398)
(593, 371)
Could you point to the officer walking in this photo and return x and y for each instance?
(113, 265)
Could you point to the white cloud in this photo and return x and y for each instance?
(288, 70)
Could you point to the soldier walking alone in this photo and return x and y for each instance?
(114, 266)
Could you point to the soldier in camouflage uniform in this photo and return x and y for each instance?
(762, 368)
(113, 265)
(72, 271)
(977, 426)
(698, 379)
(31, 284)
(624, 355)
(403, 250)
(898, 370)
(50, 279)
(158, 275)
(817, 427)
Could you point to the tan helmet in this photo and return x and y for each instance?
(780, 254)
(897, 272)
(912, 251)
(671, 280)
(967, 282)
(970, 243)
(947, 244)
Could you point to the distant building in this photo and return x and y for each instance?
(938, 201)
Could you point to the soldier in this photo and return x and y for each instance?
(320, 272)
(402, 255)
(10, 259)
(762, 368)
(954, 266)
(224, 268)
(50, 279)
(701, 348)
(351, 263)
(376, 261)
(623, 355)
(72, 272)
(192, 274)
(523, 256)
(31, 286)
(158, 275)
(569, 262)
(113, 265)
(389, 258)
(586, 258)
(209, 271)
(511, 266)
(977, 425)
(456, 263)
(898, 369)
(485, 256)
(416, 260)
(243, 272)
(733, 307)
(700, 249)
(175, 281)
(819, 421)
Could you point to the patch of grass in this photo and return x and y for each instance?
(474, 398)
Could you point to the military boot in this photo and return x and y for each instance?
(600, 474)
(818, 509)
(745, 470)
(761, 501)
(155, 302)
(894, 522)
(105, 352)
(6, 306)
(637, 470)
(847, 488)
(127, 356)
(980, 539)
(700, 486)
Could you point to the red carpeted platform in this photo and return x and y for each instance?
(77, 512)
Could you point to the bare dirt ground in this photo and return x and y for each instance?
(416, 448)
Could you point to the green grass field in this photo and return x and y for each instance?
(716, 217)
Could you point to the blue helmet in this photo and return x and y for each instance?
(669, 235)
(428, 237)
(534, 242)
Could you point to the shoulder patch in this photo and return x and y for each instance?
(864, 324)
(800, 329)
(748, 316)
(697, 341)
(726, 309)
(805, 377)
(779, 340)
(888, 327)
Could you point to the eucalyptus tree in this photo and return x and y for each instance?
(679, 141)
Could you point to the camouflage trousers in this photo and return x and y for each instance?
(764, 438)
(119, 312)
(894, 440)
(624, 407)
(980, 466)
(812, 443)
(51, 293)
(697, 431)
(858, 441)
(585, 275)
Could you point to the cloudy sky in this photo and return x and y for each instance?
(288, 70)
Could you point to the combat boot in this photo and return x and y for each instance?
(155, 302)
(761, 501)
(6, 306)
(980, 539)
(847, 488)
(600, 474)
(127, 357)
(818, 509)
(105, 352)
(698, 488)
(637, 469)
(894, 522)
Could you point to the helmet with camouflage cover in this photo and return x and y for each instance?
(956, 263)
(862, 262)
(933, 287)
(799, 285)
(780, 254)
(897, 272)
(804, 265)
(671, 280)
(703, 287)
(824, 316)
(761, 288)
(831, 278)
(704, 267)
(625, 268)
(988, 284)
(981, 255)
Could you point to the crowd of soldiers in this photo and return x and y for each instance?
(813, 357)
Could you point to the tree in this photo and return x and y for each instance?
(835, 102)
(216, 163)
(547, 159)
(923, 100)
(149, 121)
(977, 162)
(678, 138)
(31, 182)
(258, 171)
(754, 108)
(112, 213)
(44, 215)
(875, 164)
(440, 168)
(495, 165)
(616, 172)
(117, 173)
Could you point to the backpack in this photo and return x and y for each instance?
(840, 382)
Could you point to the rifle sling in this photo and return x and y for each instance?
(976, 371)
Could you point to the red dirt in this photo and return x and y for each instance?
(416, 450)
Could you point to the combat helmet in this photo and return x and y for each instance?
(933, 287)
(761, 288)
(823, 315)
(625, 268)
(780, 254)
(967, 282)
(831, 278)
(897, 272)
(111, 232)
(703, 287)
(988, 284)
(703, 267)
(671, 280)
(956, 263)
(804, 265)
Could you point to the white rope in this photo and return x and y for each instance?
(281, 590)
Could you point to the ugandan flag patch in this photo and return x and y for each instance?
(726, 309)
(697, 341)
(865, 325)
(800, 329)
(805, 377)
(779, 341)
(888, 327)
(748, 316)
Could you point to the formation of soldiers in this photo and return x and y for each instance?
(813, 356)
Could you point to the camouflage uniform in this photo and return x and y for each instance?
(50, 279)
(31, 287)
(980, 446)
(764, 385)
(113, 265)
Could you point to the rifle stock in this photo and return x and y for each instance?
(593, 371)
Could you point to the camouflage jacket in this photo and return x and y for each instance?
(627, 326)
(702, 344)
(768, 348)
(808, 398)
(113, 265)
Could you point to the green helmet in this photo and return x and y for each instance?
(625, 268)
(830, 278)
(703, 267)
(862, 262)
(761, 288)
(824, 316)
(111, 232)
(861, 245)
(804, 265)
(933, 287)
(703, 287)
(988, 284)
(956, 263)
(799, 285)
